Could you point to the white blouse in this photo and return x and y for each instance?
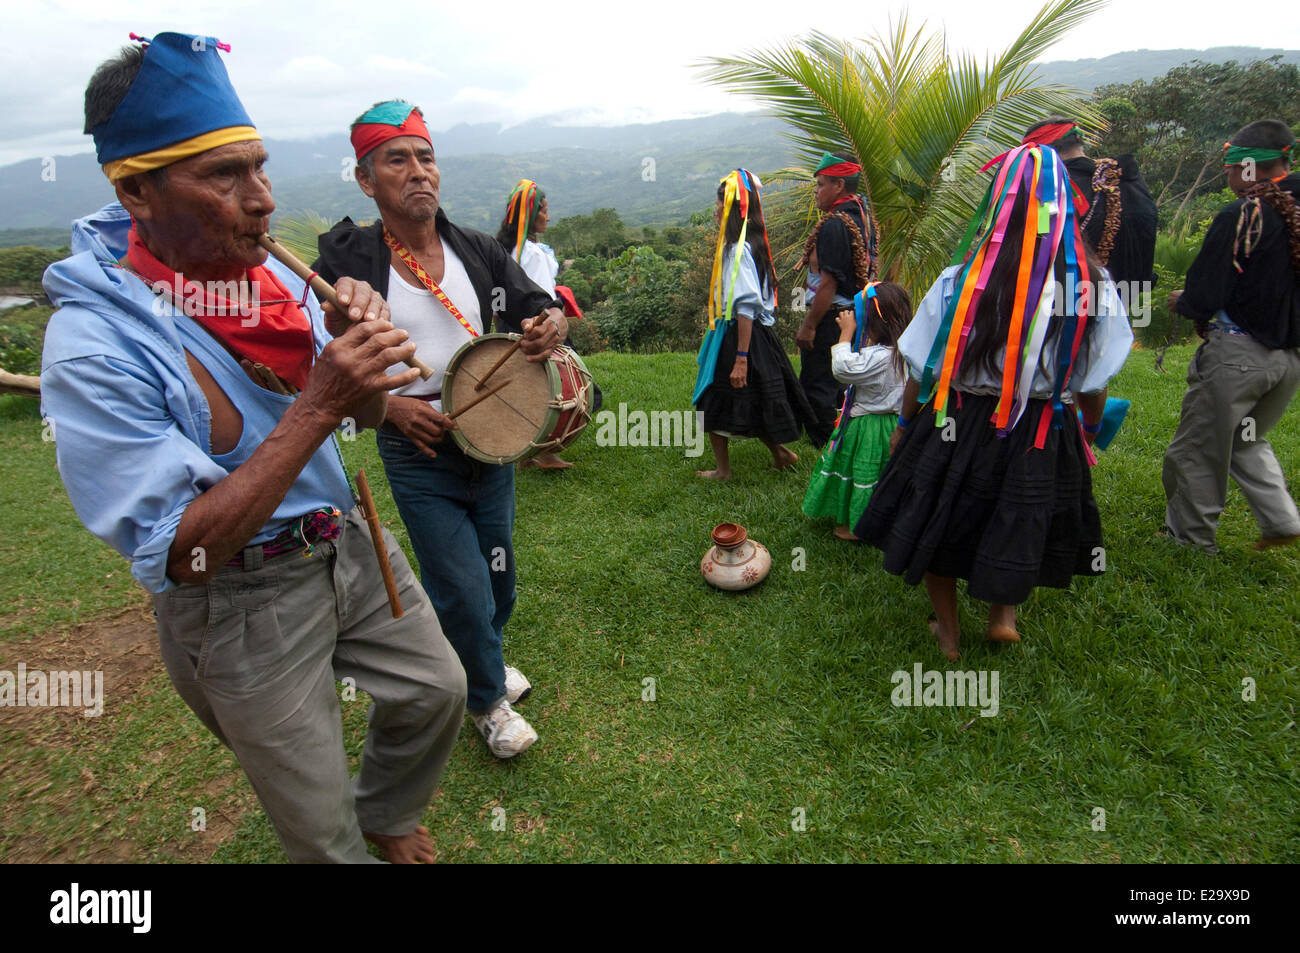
(539, 264)
(878, 385)
(1102, 355)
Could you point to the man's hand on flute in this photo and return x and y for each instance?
(363, 303)
(349, 378)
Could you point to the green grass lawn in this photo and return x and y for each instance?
(768, 706)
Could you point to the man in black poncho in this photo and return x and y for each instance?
(840, 255)
(1119, 219)
(1242, 293)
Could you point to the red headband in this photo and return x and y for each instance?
(1046, 135)
(841, 170)
(368, 136)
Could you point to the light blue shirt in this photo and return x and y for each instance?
(750, 300)
(132, 428)
(814, 282)
(1101, 356)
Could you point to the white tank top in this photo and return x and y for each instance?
(436, 334)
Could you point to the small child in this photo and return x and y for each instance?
(858, 450)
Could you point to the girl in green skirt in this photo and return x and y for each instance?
(858, 450)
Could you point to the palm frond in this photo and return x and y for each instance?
(921, 121)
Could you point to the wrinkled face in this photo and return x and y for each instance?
(543, 219)
(826, 191)
(405, 179)
(205, 216)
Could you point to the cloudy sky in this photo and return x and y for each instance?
(306, 69)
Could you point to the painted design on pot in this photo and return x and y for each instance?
(735, 561)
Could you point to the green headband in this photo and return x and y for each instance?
(1236, 155)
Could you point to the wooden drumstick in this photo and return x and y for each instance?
(493, 369)
(478, 400)
(377, 538)
(323, 289)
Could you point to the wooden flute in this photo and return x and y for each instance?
(322, 288)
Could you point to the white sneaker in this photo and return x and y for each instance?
(506, 732)
(517, 687)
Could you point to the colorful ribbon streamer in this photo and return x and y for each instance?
(1034, 175)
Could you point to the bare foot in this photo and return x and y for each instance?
(1002, 624)
(549, 461)
(949, 644)
(714, 474)
(843, 532)
(413, 848)
(786, 458)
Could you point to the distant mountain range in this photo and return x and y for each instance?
(656, 173)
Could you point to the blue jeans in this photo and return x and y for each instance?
(460, 515)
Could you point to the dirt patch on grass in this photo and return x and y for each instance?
(42, 743)
(123, 647)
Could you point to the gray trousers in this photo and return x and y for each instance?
(256, 653)
(1237, 391)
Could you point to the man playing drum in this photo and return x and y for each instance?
(194, 388)
(444, 283)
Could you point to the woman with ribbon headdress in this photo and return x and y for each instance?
(527, 216)
(745, 386)
(990, 479)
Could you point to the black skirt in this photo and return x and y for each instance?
(771, 405)
(998, 513)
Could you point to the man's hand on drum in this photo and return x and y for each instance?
(363, 303)
(543, 334)
(419, 422)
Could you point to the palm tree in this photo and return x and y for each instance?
(299, 232)
(921, 121)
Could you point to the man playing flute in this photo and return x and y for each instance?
(194, 388)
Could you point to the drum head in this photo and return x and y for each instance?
(504, 427)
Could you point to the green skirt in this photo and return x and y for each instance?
(843, 478)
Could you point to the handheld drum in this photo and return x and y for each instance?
(542, 407)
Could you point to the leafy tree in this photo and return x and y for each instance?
(643, 315)
(22, 266)
(1177, 124)
(600, 233)
(921, 121)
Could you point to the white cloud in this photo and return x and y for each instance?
(397, 65)
(309, 68)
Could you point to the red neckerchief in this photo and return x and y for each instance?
(268, 330)
(427, 280)
(866, 220)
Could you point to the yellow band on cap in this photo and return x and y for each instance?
(147, 161)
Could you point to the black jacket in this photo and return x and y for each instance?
(359, 252)
(1262, 299)
(835, 248)
(1132, 258)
